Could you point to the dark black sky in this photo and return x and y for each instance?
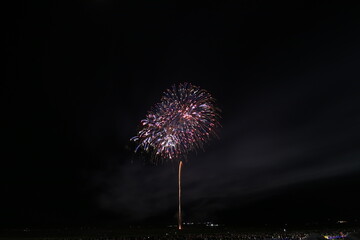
(79, 77)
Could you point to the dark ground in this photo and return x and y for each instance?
(189, 232)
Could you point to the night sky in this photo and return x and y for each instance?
(79, 78)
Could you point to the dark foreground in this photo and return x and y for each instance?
(190, 233)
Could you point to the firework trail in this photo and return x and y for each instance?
(183, 121)
(179, 181)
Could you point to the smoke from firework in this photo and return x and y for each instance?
(183, 121)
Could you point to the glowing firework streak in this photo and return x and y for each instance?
(184, 120)
(179, 180)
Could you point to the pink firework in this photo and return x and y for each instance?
(184, 120)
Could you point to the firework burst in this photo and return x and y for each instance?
(184, 120)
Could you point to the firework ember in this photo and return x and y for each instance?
(183, 121)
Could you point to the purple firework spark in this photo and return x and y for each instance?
(183, 121)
